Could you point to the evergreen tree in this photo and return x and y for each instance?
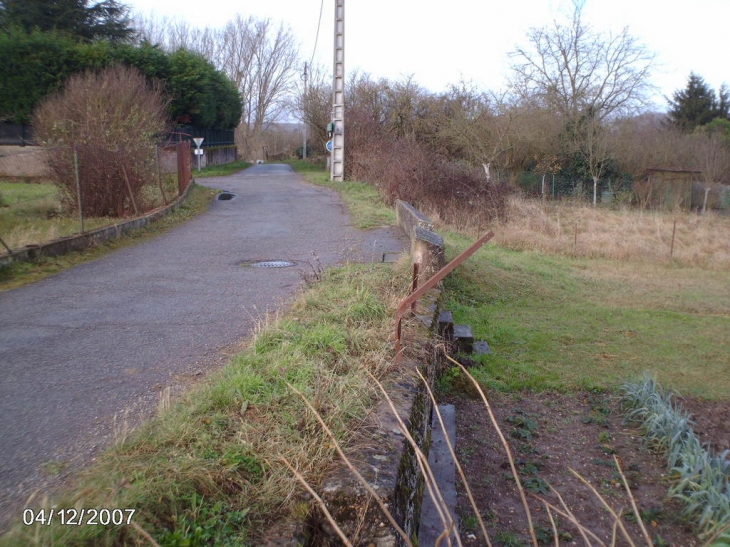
(697, 104)
(107, 19)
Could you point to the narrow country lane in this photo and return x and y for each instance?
(98, 344)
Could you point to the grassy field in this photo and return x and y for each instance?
(561, 317)
(560, 322)
(21, 273)
(31, 213)
(575, 229)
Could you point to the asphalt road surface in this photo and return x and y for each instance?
(98, 344)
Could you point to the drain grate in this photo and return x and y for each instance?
(270, 264)
(225, 196)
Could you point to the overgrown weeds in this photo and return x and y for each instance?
(210, 470)
(404, 169)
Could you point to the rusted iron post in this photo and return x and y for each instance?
(431, 283)
(674, 231)
(416, 268)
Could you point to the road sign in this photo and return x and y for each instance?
(328, 146)
(198, 141)
(199, 152)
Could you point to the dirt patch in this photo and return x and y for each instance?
(550, 433)
(711, 422)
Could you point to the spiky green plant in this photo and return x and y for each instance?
(702, 480)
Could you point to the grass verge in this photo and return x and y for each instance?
(562, 323)
(209, 470)
(31, 213)
(21, 273)
(367, 207)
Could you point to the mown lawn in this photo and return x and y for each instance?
(562, 323)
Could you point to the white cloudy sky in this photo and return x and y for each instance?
(441, 42)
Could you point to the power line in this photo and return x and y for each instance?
(316, 39)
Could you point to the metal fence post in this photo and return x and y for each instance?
(78, 188)
(159, 175)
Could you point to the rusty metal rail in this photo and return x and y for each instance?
(417, 293)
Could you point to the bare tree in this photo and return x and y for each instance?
(258, 56)
(587, 78)
(314, 107)
(595, 146)
(572, 69)
(477, 124)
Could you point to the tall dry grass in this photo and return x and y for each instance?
(579, 230)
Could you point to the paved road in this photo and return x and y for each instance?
(107, 337)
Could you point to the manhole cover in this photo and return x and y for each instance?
(225, 196)
(270, 264)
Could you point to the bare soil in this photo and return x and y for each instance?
(551, 433)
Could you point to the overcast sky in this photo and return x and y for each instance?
(441, 42)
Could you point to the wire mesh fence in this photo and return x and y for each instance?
(551, 186)
(53, 192)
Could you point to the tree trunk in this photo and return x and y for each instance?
(704, 203)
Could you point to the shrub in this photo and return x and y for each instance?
(112, 119)
(402, 168)
(395, 142)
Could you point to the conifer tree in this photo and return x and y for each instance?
(83, 19)
(697, 104)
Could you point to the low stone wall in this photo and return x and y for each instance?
(383, 455)
(81, 241)
(427, 247)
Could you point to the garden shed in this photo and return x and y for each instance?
(671, 188)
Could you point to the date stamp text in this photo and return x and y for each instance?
(78, 517)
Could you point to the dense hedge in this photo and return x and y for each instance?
(34, 65)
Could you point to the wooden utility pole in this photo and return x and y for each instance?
(338, 96)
